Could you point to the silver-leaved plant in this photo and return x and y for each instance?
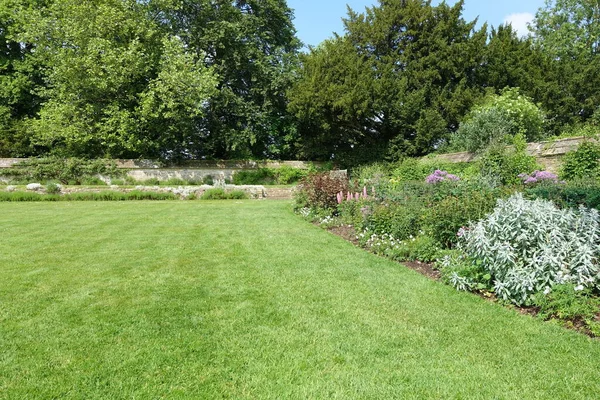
(528, 246)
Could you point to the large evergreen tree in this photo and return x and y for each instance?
(396, 83)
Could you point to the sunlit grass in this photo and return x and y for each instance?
(243, 299)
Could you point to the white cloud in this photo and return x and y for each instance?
(519, 22)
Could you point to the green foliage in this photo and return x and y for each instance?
(567, 302)
(484, 127)
(64, 170)
(208, 180)
(221, 194)
(497, 120)
(175, 182)
(582, 163)
(400, 221)
(107, 195)
(392, 85)
(252, 48)
(283, 175)
(505, 165)
(462, 273)
(286, 175)
(261, 176)
(568, 32)
(52, 188)
(422, 248)
(128, 79)
(370, 174)
(568, 195)
(442, 220)
(412, 169)
(568, 28)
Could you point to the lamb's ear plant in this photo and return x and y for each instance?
(527, 247)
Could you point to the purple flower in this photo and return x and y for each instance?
(538, 176)
(440, 176)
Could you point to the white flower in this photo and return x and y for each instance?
(547, 290)
(579, 288)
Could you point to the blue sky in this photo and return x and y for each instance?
(316, 20)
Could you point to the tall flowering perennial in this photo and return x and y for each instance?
(539, 177)
(440, 176)
(349, 196)
(529, 246)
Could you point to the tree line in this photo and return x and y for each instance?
(178, 79)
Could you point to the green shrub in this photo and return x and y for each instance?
(92, 181)
(370, 174)
(505, 165)
(497, 120)
(484, 127)
(208, 180)
(221, 194)
(355, 212)
(21, 196)
(213, 194)
(286, 175)
(52, 188)
(175, 182)
(151, 182)
(582, 163)
(567, 302)
(261, 176)
(570, 195)
(106, 195)
(463, 273)
(443, 219)
(400, 221)
(237, 195)
(422, 248)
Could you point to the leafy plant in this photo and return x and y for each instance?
(443, 219)
(497, 120)
(52, 188)
(208, 180)
(221, 194)
(462, 273)
(400, 221)
(319, 190)
(567, 302)
(507, 164)
(528, 246)
(582, 163)
(572, 194)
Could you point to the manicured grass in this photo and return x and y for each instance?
(245, 300)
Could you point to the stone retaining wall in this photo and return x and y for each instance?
(548, 154)
(192, 170)
(192, 164)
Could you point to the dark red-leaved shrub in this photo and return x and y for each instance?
(319, 190)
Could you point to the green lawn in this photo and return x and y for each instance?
(244, 300)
